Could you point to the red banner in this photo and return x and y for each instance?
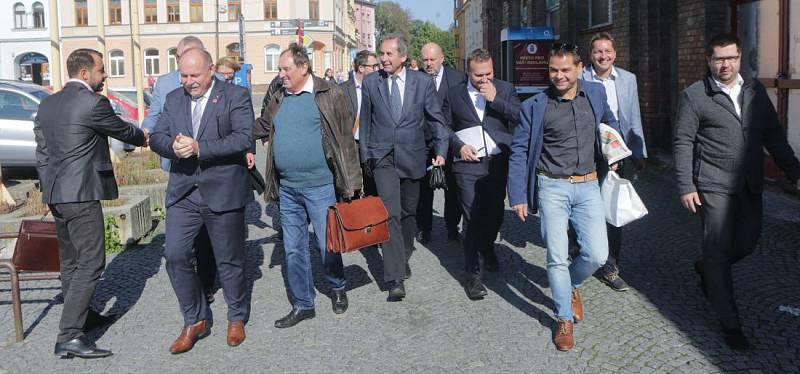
(531, 62)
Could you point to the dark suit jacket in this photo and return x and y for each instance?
(716, 150)
(349, 89)
(451, 78)
(500, 117)
(379, 134)
(220, 170)
(526, 144)
(72, 129)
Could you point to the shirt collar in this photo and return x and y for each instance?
(208, 92)
(308, 87)
(722, 86)
(401, 76)
(472, 89)
(612, 76)
(553, 93)
(81, 82)
(356, 81)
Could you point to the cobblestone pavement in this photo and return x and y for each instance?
(661, 325)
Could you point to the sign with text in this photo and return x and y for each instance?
(530, 58)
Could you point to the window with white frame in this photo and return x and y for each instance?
(599, 12)
(172, 61)
(271, 54)
(19, 16)
(116, 62)
(151, 62)
(38, 15)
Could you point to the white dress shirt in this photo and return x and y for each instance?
(202, 101)
(81, 82)
(478, 101)
(358, 99)
(734, 93)
(611, 89)
(438, 78)
(401, 83)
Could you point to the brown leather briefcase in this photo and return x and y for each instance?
(357, 224)
(37, 246)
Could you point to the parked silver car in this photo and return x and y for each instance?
(19, 103)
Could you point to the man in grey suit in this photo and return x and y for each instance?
(395, 107)
(724, 123)
(205, 130)
(623, 98)
(75, 171)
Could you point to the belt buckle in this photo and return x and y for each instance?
(571, 180)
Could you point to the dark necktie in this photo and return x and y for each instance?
(395, 101)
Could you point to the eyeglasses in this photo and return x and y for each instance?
(564, 47)
(373, 67)
(721, 60)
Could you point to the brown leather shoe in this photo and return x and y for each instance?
(577, 305)
(190, 335)
(563, 339)
(235, 333)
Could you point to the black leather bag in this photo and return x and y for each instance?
(436, 178)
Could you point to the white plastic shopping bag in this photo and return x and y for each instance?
(622, 204)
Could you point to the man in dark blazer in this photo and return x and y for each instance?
(75, 172)
(206, 129)
(394, 109)
(492, 104)
(724, 123)
(445, 78)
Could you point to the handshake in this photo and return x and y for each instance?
(185, 146)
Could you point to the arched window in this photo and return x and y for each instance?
(116, 62)
(172, 61)
(151, 62)
(271, 54)
(19, 16)
(38, 15)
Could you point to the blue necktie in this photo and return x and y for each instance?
(395, 101)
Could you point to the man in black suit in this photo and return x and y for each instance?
(75, 171)
(394, 110)
(365, 63)
(206, 129)
(445, 78)
(492, 104)
(724, 123)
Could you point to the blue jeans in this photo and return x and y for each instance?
(581, 204)
(298, 206)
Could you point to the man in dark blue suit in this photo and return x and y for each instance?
(206, 129)
(395, 108)
(493, 105)
(444, 78)
(554, 164)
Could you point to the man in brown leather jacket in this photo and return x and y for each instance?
(312, 161)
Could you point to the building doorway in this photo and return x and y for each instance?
(33, 67)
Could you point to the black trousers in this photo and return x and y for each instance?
(482, 199)
(400, 196)
(82, 258)
(226, 231)
(452, 208)
(731, 228)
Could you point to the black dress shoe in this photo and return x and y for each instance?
(475, 289)
(424, 236)
(294, 317)
(397, 291)
(79, 347)
(94, 319)
(698, 268)
(339, 301)
(735, 339)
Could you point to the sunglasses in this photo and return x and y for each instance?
(566, 47)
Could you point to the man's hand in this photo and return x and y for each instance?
(488, 91)
(438, 161)
(614, 166)
(146, 137)
(251, 160)
(691, 201)
(521, 210)
(468, 153)
(185, 146)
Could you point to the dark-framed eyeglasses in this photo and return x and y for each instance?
(566, 47)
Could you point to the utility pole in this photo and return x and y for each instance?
(101, 34)
(55, 48)
(137, 58)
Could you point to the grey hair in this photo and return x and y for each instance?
(402, 45)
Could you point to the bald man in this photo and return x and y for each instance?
(445, 78)
(205, 130)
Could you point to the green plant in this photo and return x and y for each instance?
(113, 243)
(161, 213)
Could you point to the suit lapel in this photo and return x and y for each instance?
(215, 100)
(408, 94)
(725, 101)
(464, 95)
(384, 91)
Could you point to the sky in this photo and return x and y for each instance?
(440, 12)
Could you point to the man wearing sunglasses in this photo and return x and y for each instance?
(723, 124)
(552, 169)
